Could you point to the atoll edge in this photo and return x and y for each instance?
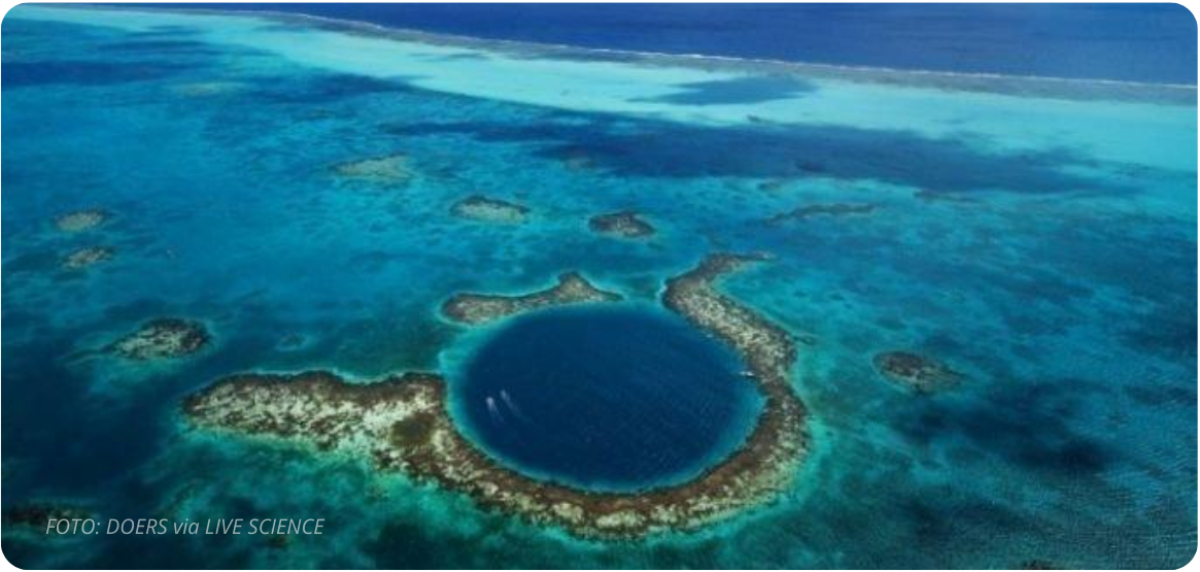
(402, 423)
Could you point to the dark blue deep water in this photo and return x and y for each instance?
(614, 399)
(1142, 42)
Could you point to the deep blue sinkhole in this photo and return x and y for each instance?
(606, 397)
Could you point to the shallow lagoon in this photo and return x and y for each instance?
(1042, 243)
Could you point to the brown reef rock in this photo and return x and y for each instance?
(830, 209)
(392, 169)
(162, 338)
(572, 288)
(36, 516)
(916, 372)
(79, 221)
(487, 209)
(86, 257)
(625, 224)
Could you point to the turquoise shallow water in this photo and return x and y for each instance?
(1041, 239)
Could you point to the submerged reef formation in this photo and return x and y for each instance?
(162, 338)
(402, 423)
(577, 160)
(392, 169)
(479, 207)
(208, 88)
(86, 257)
(572, 288)
(939, 196)
(916, 372)
(625, 224)
(830, 209)
(36, 516)
(79, 221)
(292, 342)
(772, 185)
(1037, 565)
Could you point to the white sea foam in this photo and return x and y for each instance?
(494, 411)
(512, 405)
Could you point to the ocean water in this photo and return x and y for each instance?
(1037, 235)
(608, 399)
(1155, 43)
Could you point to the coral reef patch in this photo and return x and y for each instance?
(576, 160)
(162, 338)
(79, 221)
(1037, 565)
(830, 209)
(479, 207)
(916, 372)
(388, 170)
(625, 224)
(36, 516)
(207, 88)
(772, 185)
(86, 257)
(572, 288)
(292, 342)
